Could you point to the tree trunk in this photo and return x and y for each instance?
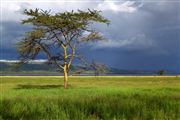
(65, 68)
(65, 77)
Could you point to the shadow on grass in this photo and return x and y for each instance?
(28, 86)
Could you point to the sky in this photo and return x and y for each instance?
(142, 35)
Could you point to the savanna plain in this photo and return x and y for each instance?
(90, 98)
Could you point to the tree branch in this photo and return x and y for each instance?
(60, 41)
(48, 54)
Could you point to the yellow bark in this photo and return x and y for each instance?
(65, 76)
(65, 68)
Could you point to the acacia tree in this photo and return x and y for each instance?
(98, 68)
(161, 72)
(57, 35)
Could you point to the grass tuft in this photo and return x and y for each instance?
(108, 98)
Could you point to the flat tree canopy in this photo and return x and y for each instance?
(57, 35)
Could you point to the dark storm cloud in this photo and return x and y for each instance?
(153, 20)
(147, 38)
(158, 23)
(12, 32)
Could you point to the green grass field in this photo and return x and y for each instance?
(91, 98)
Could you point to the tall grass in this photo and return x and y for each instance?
(36, 101)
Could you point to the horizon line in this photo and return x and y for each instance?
(15, 61)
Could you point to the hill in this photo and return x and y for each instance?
(41, 67)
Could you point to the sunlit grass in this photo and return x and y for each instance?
(90, 98)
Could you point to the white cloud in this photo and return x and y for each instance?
(9, 61)
(85, 33)
(39, 61)
(8, 11)
(11, 11)
(140, 41)
(127, 6)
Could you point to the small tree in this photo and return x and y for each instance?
(161, 72)
(98, 68)
(57, 35)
